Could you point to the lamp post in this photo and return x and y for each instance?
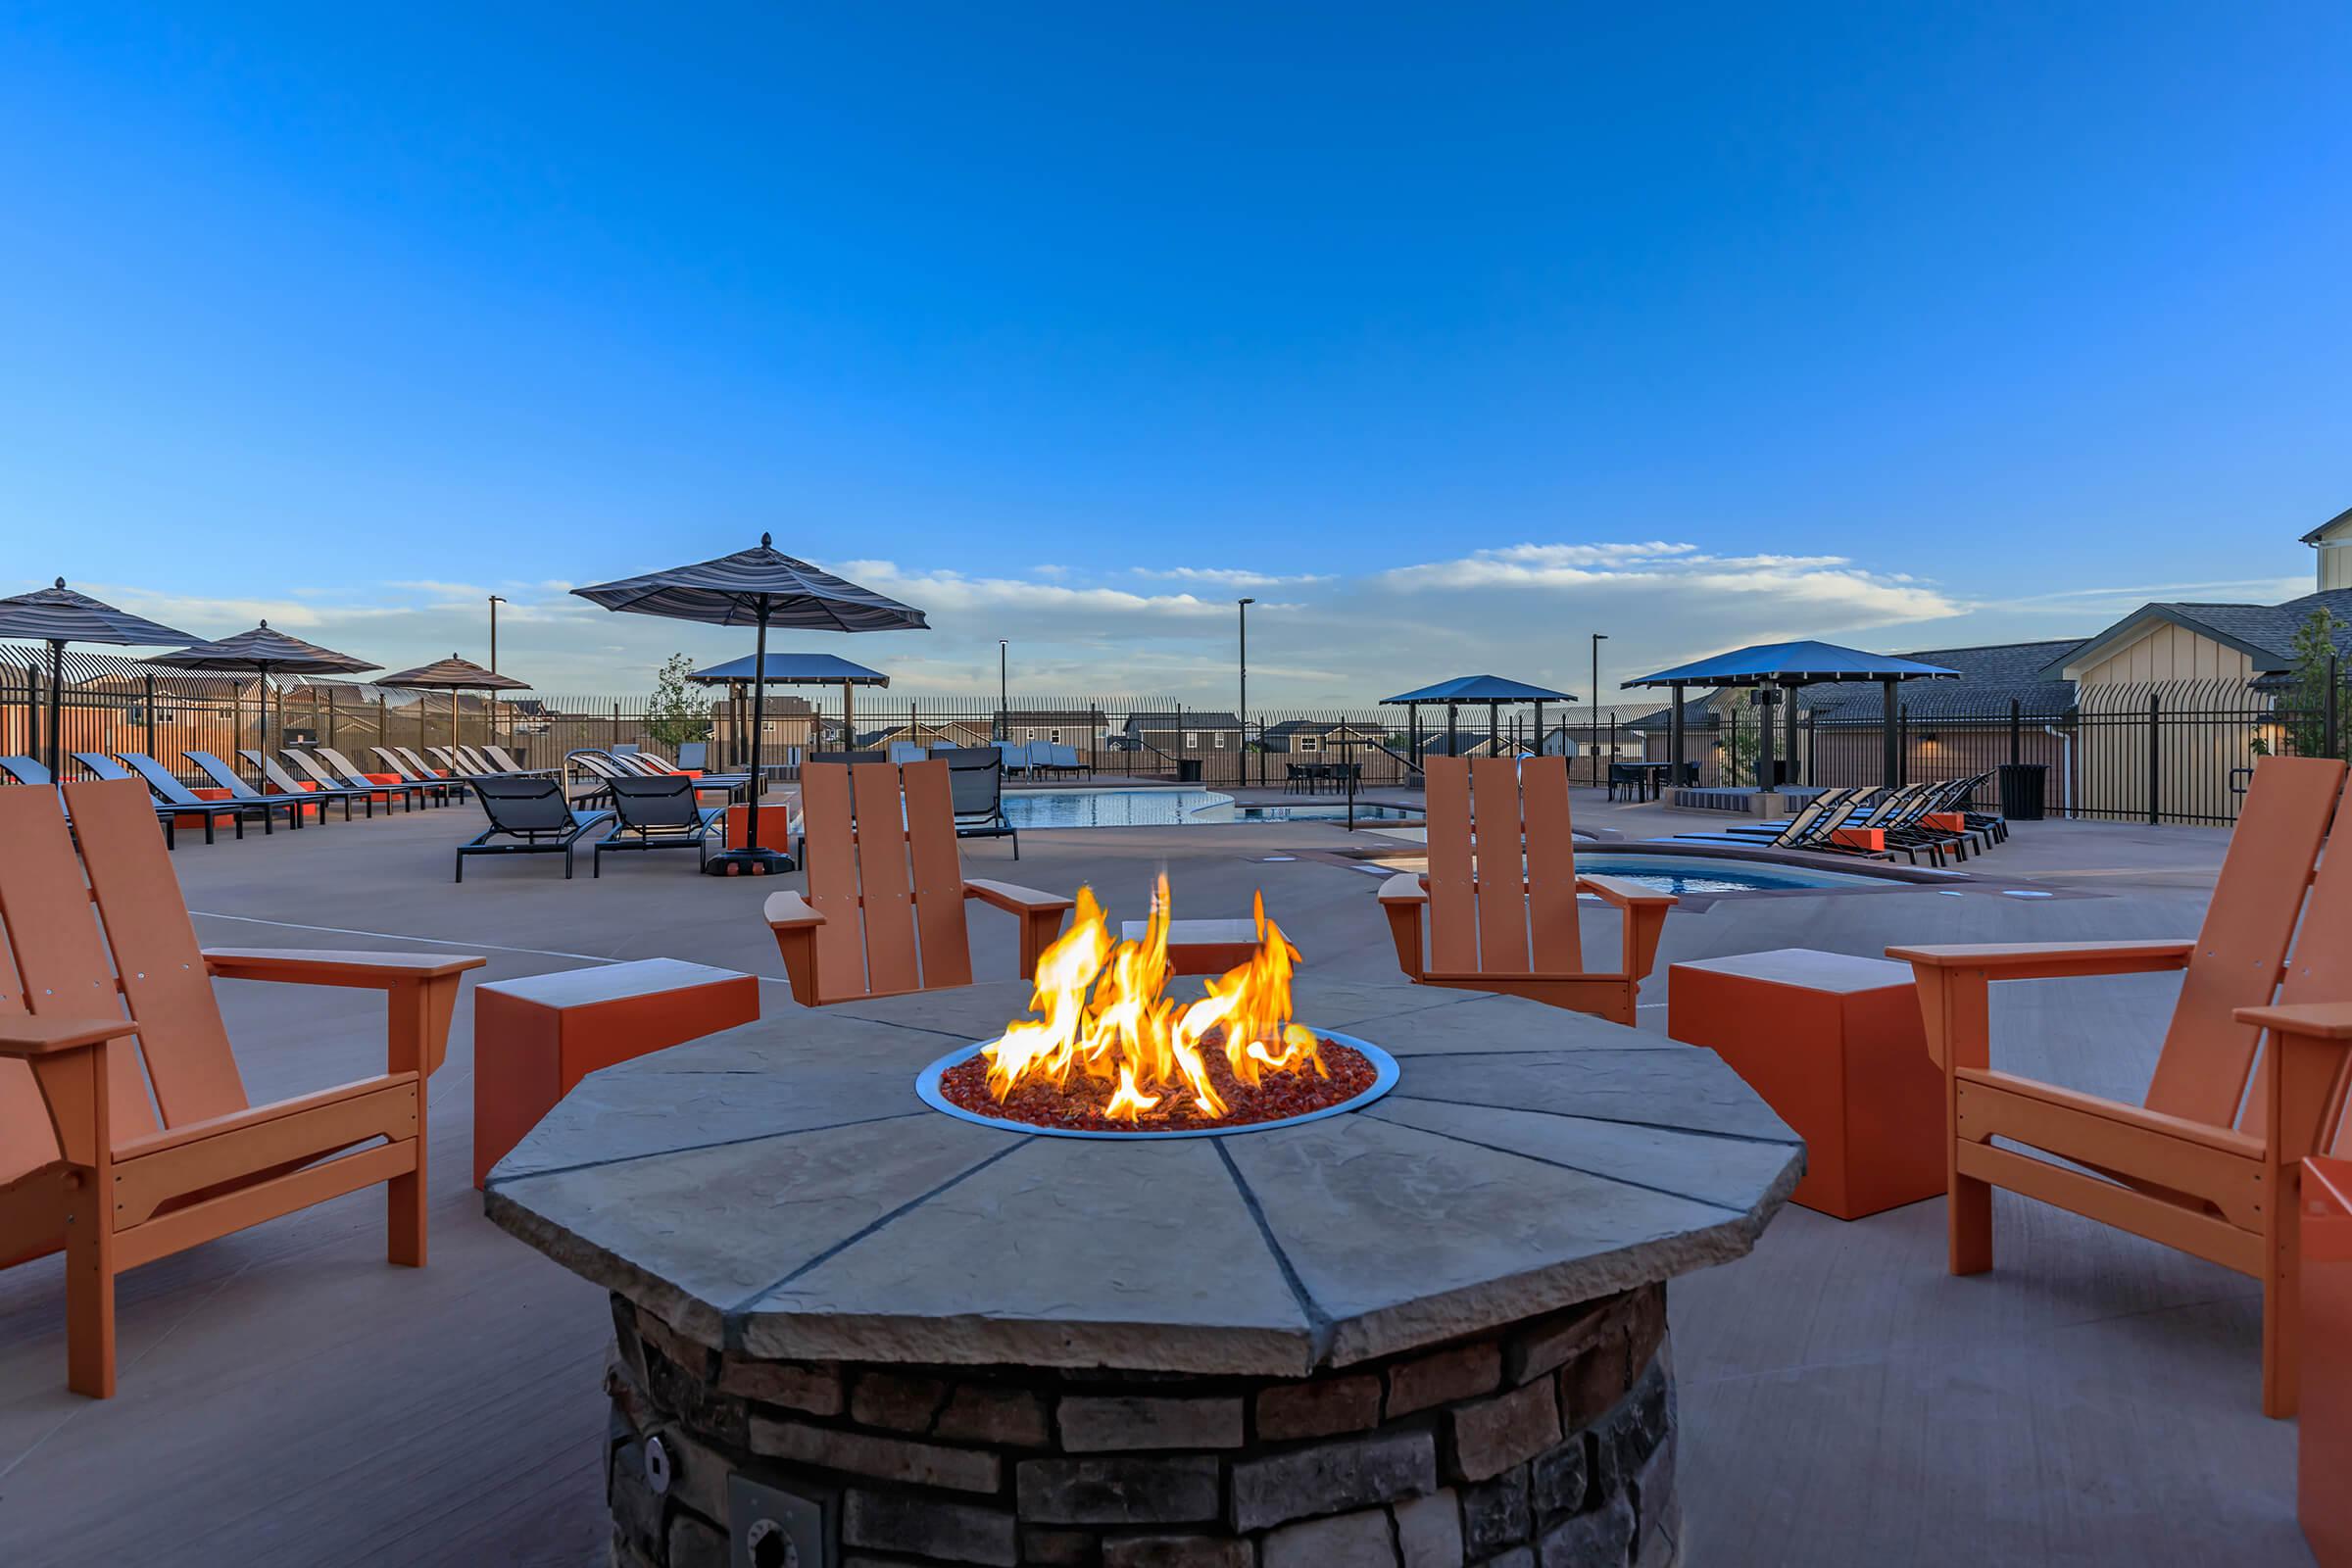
(496, 600)
(1242, 607)
(1003, 688)
(1593, 713)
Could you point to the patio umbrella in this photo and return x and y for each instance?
(454, 675)
(761, 587)
(59, 615)
(1788, 665)
(262, 651)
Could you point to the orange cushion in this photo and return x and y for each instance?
(1859, 838)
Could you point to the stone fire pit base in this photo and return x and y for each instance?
(1546, 1444)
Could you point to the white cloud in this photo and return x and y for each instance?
(1228, 576)
(1841, 595)
(950, 591)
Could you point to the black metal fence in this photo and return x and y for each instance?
(2172, 752)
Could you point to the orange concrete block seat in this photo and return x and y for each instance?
(1203, 946)
(1835, 1046)
(535, 1039)
(2324, 1466)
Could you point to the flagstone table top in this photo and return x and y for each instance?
(780, 1190)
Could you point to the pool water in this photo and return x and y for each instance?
(1147, 808)
(1694, 873)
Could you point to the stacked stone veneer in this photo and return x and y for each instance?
(1545, 1445)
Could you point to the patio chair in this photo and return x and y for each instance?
(905, 751)
(658, 814)
(29, 770)
(437, 789)
(315, 766)
(504, 761)
(416, 766)
(2202, 1165)
(172, 792)
(91, 1165)
(976, 785)
(1016, 754)
(884, 911)
(285, 783)
(1512, 925)
(694, 757)
(529, 816)
(234, 783)
(1064, 758)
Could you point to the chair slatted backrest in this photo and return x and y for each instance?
(524, 806)
(156, 974)
(222, 774)
(1489, 910)
(27, 1139)
(901, 887)
(278, 778)
(2208, 1056)
(2320, 969)
(343, 767)
(418, 766)
(302, 763)
(655, 803)
(165, 787)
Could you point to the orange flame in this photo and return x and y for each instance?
(1102, 1008)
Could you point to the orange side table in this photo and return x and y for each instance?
(2324, 1466)
(1835, 1046)
(535, 1039)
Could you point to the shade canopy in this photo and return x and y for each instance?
(59, 614)
(792, 669)
(456, 674)
(1799, 663)
(264, 649)
(753, 586)
(1480, 689)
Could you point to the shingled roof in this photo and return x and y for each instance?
(2263, 633)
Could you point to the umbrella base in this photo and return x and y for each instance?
(749, 863)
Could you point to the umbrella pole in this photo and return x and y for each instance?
(759, 723)
(57, 708)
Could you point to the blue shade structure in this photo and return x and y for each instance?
(58, 616)
(1493, 690)
(1786, 666)
(759, 587)
(262, 651)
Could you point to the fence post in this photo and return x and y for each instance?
(150, 716)
(616, 724)
(2015, 713)
(2336, 686)
(2155, 755)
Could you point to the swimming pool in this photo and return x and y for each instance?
(1148, 807)
(1701, 873)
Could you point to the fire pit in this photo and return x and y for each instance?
(855, 1331)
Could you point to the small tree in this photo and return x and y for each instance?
(678, 713)
(2302, 708)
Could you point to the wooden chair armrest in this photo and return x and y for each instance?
(1015, 899)
(2048, 960)
(2314, 1020)
(1405, 888)
(23, 1036)
(789, 912)
(1625, 893)
(311, 966)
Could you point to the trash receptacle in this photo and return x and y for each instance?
(1188, 770)
(2023, 785)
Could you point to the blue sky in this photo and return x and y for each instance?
(1451, 336)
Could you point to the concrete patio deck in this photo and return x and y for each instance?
(286, 1398)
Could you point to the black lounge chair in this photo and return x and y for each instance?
(317, 768)
(172, 792)
(653, 765)
(658, 814)
(244, 794)
(321, 790)
(533, 813)
(976, 789)
(438, 790)
(27, 770)
(417, 767)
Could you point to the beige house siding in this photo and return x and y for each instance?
(2169, 652)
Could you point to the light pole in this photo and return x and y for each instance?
(1242, 607)
(1003, 701)
(1593, 713)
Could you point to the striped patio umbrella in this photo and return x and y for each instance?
(762, 587)
(263, 652)
(454, 675)
(59, 615)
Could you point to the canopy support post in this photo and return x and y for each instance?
(1674, 733)
(1764, 757)
(1889, 742)
(57, 709)
(1789, 730)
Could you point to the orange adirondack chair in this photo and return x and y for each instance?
(104, 995)
(901, 889)
(1515, 929)
(2191, 1168)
